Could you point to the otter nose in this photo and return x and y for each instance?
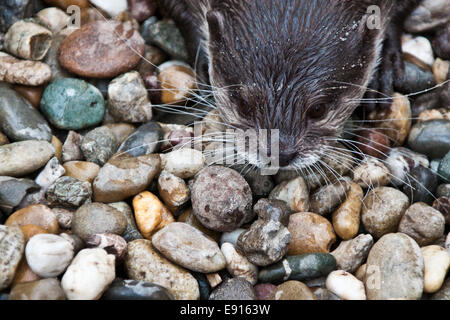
(285, 158)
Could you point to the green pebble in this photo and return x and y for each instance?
(72, 104)
(301, 267)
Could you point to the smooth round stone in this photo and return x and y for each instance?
(188, 247)
(99, 145)
(442, 204)
(177, 81)
(444, 167)
(327, 198)
(234, 289)
(136, 290)
(310, 233)
(301, 267)
(124, 177)
(165, 35)
(415, 79)
(150, 213)
(238, 265)
(121, 130)
(145, 264)
(382, 210)
(292, 290)
(72, 104)
(395, 269)
(13, 191)
(131, 232)
(401, 161)
(441, 43)
(81, 170)
(421, 185)
(102, 49)
(221, 198)
(173, 191)
(346, 286)
(346, 219)
(48, 255)
(69, 192)
(443, 293)
(188, 217)
(111, 243)
(89, 275)
(371, 173)
(19, 120)
(422, 223)
(12, 244)
(21, 158)
(351, 254)
(431, 138)
(38, 215)
(294, 192)
(45, 289)
(145, 140)
(437, 264)
(184, 163)
(97, 218)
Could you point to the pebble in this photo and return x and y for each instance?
(371, 173)
(165, 35)
(3, 139)
(69, 192)
(346, 286)
(71, 150)
(121, 130)
(300, 267)
(294, 192)
(401, 161)
(11, 11)
(24, 72)
(177, 81)
(426, 101)
(144, 263)
(373, 142)
(264, 290)
(310, 233)
(351, 254)
(72, 104)
(443, 190)
(231, 237)
(111, 243)
(395, 269)
(221, 198)
(82, 170)
(13, 191)
(145, 140)
(422, 223)
(415, 79)
(28, 40)
(64, 217)
(173, 191)
(45, 289)
(421, 186)
(437, 264)
(112, 8)
(324, 200)
(128, 99)
(361, 272)
(427, 16)
(418, 50)
(38, 215)
(265, 242)
(383, 208)
(431, 138)
(440, 70)
(131, 232)
(89, 275)
(99, 145)
(101, 50)
(234, 289)
(124, 177)
(142, 9)
(48, 255)
(188, 247)
(276, 210)
(441, 43)
(442, 204)
(214, 279)
(136, 290)
(94, 218)
(444, 168)
(19, 120)
(53, 18)
(12, 244)
(292, 290)
(443, 293)
(434, 114)
(184, 163)
(238, 265)
(346, 219)
(188, 217)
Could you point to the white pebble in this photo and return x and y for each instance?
(345, 286)
(371, 173)
(418, 47)
(231, 237)
(238, 265)
(111, 7)
(48, 255)
(183, 163)
(437, 263)
(89, 275)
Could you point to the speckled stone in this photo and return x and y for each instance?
(99, 145)
(12, 244)
(12, 11)
(351, 254)
(72, 104)
(165, 35)
(69, 192)
(234, 289)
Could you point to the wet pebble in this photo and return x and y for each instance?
(99, 145)
(136, 290)
(351, 254)
(177, 81)
(415, 79)
(437, 264)
(277, 210)
(145, 140)
(346, 286)
(421, 185)
(12, 244)
(234, 289)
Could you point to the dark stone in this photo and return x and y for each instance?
(442, 204)
(421, 185)
(424, 102)
(441, 43)
(444, 168)
(276, 210)
(12, 11)
(234, 289)
(145, 140)
(165, 35)
(443, 190)
(136, 290)
(415, 79)
(431, 138)
(203, 285)
(12, 192)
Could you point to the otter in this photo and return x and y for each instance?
(299, 66)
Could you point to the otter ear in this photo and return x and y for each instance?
(215, 24)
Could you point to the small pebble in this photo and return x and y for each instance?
(45, 289)
(373, 142)
(69, 192)
(238, 265)
(184, 163)
(113, 8)
(234, 289)
(324, 200)
(38, 215)
(418, 50)
(346, 286)
(401, 161)
(351, 254)
(421, 185)
(165, 35)
(99, 145)
(131, 232)
(82, 170)
(442, 204)
(145, 140)
(188, 217)
(431, 138)
(440, 70)
(111, 243)
(292, 290)
(23, 72)
(12, 244)
(121, 130)
(264, 290)
(437, 264)
(415, 79)
(231, 237)
(346, 219)
(13, 191)
(173, 190)
(371, 173)
(71, 150)
(294, 192)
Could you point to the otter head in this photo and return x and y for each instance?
(296, 66)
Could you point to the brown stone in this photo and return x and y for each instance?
(82, 170)
(292, 290)
(373, 142)
(121, 130)
(57, 144)
(177, 81)
(32, 94)
(102, 49)
(24, 72)
(64, 4)
(310, 233)
(3, 139)
(346, 219)
(142, 9)
(188, 217)
(45, 289)
(38, 215)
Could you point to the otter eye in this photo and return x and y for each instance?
(317, 111)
